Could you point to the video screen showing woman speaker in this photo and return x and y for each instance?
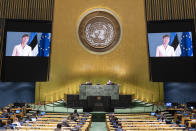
(28, 44)
(170, 44)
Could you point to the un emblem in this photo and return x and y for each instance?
(99, 31)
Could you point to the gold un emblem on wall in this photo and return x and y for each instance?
(99, 31)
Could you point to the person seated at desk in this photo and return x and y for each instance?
(178, 121)
(88, 83)
(113, 118)
(86, 114)
(9, 124)
(186, 112)
(116, 124)
(2, 125)
(4, 114)
(8, 110)
(157, 112)
(76, 128)
(73, 117)
(58, 128)
(119, 127)
(193, 116)
(76, 112)
(27, 119)
(11, 113)
(110, 82)
(34, 115)
(38, 113)
(16, 123)
(65, 123)
(181, 106)
(162, 117)
(20, 120)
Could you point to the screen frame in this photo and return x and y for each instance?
(174, 64)
(41, 63)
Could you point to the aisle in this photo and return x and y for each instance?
(98, 126)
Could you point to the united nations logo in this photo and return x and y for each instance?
(99, 34)
(99, 31)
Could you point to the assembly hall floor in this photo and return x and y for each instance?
(98, 118)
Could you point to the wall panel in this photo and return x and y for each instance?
(170, 10)
(72, 65)
(27, 9)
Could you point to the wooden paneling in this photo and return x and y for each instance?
(27, 9)
(170, 10)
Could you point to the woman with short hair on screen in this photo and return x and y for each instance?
(165, 49)
(22, 49)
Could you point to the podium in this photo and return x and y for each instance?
(99, 90)
(98, 98)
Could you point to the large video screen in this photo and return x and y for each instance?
(171, 49)
(170, 44)
(26, 50)
(28, 44)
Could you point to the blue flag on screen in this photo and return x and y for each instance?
(186, 44)
(44, 45)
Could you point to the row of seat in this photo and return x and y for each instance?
(184, 116)
(50, 120)
(138, 122)
(10, 113)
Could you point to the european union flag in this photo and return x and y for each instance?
(44, 45)
(186, 44)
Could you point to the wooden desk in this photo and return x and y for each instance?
(190, 123)
(185, 119)
(4, 120)
(14, 109)
(175, 109)
(194, 111)
(176, 116)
